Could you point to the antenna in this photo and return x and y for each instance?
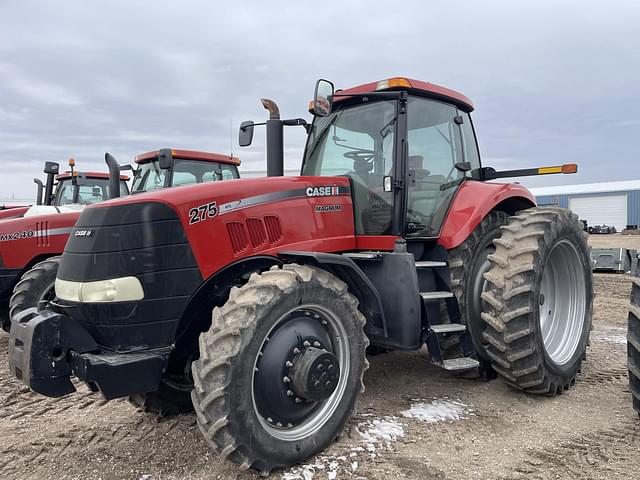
(231, 138)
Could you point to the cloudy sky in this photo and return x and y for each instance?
(553, 81)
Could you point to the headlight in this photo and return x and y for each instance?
(125, 289)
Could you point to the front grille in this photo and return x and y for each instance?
(145, 240)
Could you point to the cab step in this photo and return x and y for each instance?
(435, 296)
(375, 256)
(429, 264)
(448, 328)
(462, 363)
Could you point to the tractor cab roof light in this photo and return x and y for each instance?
(393, 83)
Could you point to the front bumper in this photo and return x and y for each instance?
(46, 348)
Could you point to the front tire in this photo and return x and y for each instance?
(254, 383)
(539, 301)
(35, 285)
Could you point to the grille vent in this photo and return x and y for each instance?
(254, 232)
(238, 237)
(274, 231)
(257, 233)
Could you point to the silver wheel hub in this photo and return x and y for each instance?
(562, 302)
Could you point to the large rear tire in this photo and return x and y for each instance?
(633, 342)
(539, 300)
(468, 263)
(253, 400)
(34, 286)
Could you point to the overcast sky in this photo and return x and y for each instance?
(553, 82)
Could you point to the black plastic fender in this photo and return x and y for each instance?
(360, 285)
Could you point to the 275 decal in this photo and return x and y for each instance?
(202, 212)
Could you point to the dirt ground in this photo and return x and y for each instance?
(457, 429)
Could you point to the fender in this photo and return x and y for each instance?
(213, 292)
(347, 271)
(473, 201)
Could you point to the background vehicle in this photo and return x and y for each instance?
(601, 229)
(29, 235)
(390, 236)
(35, 239)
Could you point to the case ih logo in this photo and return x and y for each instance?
(323, 191)
(83, 233)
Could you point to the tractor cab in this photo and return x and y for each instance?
(172, 168)
(402, 133)
(74, 189)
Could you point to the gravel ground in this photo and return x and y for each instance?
(414, 421)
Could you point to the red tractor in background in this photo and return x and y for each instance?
(32, 238)
(254, 301)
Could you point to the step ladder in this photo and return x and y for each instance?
(437, 332)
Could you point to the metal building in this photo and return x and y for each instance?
(607, 203)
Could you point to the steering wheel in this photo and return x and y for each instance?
(360, 155)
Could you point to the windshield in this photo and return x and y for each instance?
(88, 191)
(358, 142)
(149, 176)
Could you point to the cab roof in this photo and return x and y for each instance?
(414, 86)
(67, 174)
(190, 155)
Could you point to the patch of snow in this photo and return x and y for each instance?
(438, 410)
(385, 430)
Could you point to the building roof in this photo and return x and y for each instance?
(601, 187)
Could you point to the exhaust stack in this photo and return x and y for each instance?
(275, 140)
(114, 175)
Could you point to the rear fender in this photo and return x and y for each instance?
(473, 201)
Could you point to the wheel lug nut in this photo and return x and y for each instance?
(278, 424)
(320, 367)
(316, 316)
(269, 419)
(316, 344)
(289, 425)
(266, 339)
(256, 369)
(324, 322)
(307, 313)
(298, 400)
(286, 379)
(296, 351)
(290, 393)
(288, 364)
(327, 384)
(316, 384)
(306, 343)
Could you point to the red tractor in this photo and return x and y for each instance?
(32, 238)
(254, 301)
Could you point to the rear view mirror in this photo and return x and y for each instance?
(245, 135)
(323, 98)
(165, 158)
(51, 168)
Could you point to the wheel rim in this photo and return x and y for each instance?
(562, 302)
(280, 414)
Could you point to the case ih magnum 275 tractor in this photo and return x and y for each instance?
(258, 298)
(32, 240)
